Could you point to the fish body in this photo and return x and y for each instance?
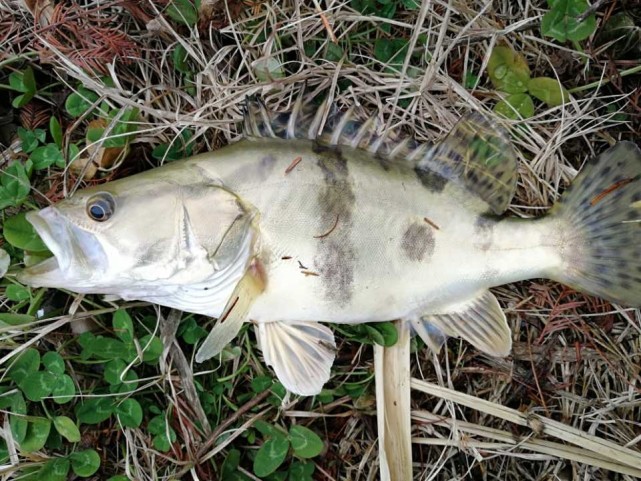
(293, 227)
(348, 240)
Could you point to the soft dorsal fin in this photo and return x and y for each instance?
(476, 154)
(480, 321)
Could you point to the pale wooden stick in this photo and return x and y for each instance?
(539, 424)
(508, 441)
(392, 368)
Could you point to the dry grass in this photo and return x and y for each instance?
(576, 359)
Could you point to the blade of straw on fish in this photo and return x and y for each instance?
(537, 423)
(507, 441)
(5, 261)
(392, 373)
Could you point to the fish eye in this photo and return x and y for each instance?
(101, 207)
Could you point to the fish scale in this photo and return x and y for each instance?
(302, 223)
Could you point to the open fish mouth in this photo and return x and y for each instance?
(72, 249)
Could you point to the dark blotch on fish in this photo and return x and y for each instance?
(418, 242)
(484, 232)
(431, 180)
(336, 255)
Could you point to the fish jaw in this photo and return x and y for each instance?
(77, 254)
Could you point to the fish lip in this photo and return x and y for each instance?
(53, 231)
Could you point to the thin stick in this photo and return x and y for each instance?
(392, 368)
(508, 441)
(539, 424)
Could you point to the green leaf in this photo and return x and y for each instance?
(113, 371)
(180, 147)
(191, 332)
(14, 185)
(230, 465)
(17, 421)
(306, 443)
(548, 90)
(67, 428)
(158, 424)
(152, 348)
(508, 70)
(129, 383)
(516, 106)
(63, 390)
(20, 233)
(53, 362)
(182, 11)
(17, 293)
(56, 131)
(181, 57)
(95, 410)
(79, 102)
(46, 156)
(388, 335)
(85, 463)
(54, 470)
(37, 434)
(129, 413)
(123, 325)
(301, 471)
(118, 477)
(37, 385)
(30, 139)
(266, 429)
(27, 363)
(23, 82)
(271, 455)
(561, 22)
(15, 319)
(391, 52)
(262, 383)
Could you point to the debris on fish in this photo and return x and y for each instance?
(306, 222)
(5, 261)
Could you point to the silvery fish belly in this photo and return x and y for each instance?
(301, 224)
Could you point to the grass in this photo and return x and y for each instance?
(156, 83)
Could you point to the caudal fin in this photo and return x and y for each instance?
(598, 220)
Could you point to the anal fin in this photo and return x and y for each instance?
(480, 321)
(236, 311)
(301, 353)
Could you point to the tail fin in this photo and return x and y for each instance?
(599, 227)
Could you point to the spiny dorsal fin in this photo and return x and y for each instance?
(340, 128)
(476, 154)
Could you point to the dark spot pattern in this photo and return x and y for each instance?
(417, 242)
(336, 255)
(484, 232)
(431, 180)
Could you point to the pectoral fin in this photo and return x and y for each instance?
(480, 321)
(301, 353)
(236, 312)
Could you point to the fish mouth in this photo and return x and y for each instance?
(72, 250)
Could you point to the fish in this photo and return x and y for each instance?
(318, 217)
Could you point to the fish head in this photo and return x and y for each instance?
(136, 234)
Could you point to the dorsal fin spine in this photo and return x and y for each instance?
(338, 130)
